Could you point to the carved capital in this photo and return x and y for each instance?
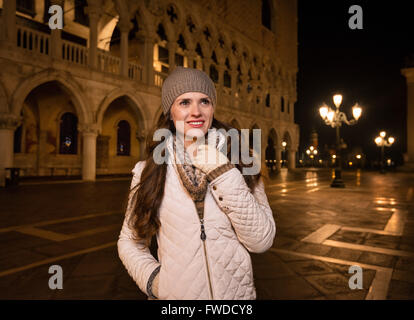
(88, 128)
(9, 121)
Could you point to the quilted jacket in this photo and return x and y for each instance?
(236, 222)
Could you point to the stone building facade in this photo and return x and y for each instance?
(408, 73)
(80, 100)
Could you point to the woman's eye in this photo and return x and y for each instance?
(184, 102)
(205, 101)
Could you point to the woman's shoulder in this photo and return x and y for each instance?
(139, 166)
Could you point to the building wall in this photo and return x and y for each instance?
(104, 84)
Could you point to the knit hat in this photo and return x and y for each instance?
(182, 80)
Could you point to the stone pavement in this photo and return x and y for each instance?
(321, 232)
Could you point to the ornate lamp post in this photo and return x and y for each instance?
(382, 142)
(334, 118)
(312, 152)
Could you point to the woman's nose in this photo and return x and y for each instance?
(195, 109)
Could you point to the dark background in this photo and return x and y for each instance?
(363, 65)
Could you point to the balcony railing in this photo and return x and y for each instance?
(32, 40)
(159, 78)
(74, 53)
(135, 71)
(108, 63)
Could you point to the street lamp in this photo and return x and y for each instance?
(312, 152)
(382, 142)
(334, 118)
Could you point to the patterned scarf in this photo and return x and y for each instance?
(194, 180)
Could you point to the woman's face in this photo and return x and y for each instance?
(195, 110)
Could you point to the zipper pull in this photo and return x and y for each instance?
(203, 234)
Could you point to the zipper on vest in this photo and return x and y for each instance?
(205, 256)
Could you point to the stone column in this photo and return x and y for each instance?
(278, 158)
(409, 156)
(94, 15)
(292, 159)
(42, 170)
(172, 47)
(89, 134)
(124, 27)
(8, 123)
(206, 65)
(190, 58)
(55, 50)
(8, 32)
(149, 60)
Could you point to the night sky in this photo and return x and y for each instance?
(363, 65)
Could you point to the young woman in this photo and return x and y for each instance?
(206, 215)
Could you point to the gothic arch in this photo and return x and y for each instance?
(68, 84)
(140, 109)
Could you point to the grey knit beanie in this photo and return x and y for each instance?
(182, 80)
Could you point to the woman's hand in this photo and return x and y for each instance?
(207, 158)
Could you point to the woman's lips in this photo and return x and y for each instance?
(196, 124)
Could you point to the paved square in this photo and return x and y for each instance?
(321, 232)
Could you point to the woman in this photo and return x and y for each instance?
(206, 215)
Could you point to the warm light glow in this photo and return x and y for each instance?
(356, 111)
(350, 163)
(311, 148)
(320, 161)
(334, 156)
(337, 100)
(311, 156)
(389, 162)
(284, 144)
(358, 156)
(323, 111)
(378, 140)
(382, 134)
(330, 115)
(391, 140)
(308, 151)
(315, 151)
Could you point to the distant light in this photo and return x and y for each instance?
(378, 140)
(311, 148)
(391, 140)
(331, 115)
(389, 162)
(323, 111)
(382, 134)
(320, 161)
(358, 156)
(350, 163)
(315, 151)
(334, 156)
(356, 111)
(337, 100)
(284, 144)
(308, 151)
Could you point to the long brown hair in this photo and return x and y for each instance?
(147, 195)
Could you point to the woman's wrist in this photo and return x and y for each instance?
(152, 284)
